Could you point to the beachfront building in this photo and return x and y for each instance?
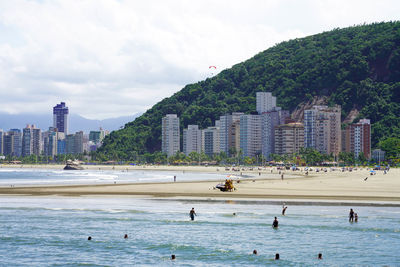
(53, 142)
(322, 129)
(170, 135)
(31, 141)
(289, 138)
(265, 102)
(250, 135)
(1, 141)
(74, 143)
(60, 117)
(229, 134)
(8, 144)
(269, 120)
(210, 141)
(12, 143)
(191, 139)
(358, 138)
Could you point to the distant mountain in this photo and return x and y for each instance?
(76, 122)
(356, 67)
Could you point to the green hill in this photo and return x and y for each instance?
(357, 68)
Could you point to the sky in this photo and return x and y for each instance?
(110, 58)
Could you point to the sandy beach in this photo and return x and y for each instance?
(255, 184)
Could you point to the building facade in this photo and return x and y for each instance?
(250, 135)
(210, 141)
(322, 129)
(31, 141)
(358, 138)
(191, 139)
(170, 135)
(269, 120)
(229, 134)
(265, 102)
(60, 117)
(1, 142)
(289, 138)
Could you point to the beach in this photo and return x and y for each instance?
(355, 186)
(45, 212)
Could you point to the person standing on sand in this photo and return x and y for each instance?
(192, 213)
(351, 215)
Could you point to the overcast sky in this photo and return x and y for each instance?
(108, 58)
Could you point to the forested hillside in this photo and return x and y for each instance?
(357, 68)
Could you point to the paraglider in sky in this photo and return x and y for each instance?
(212, 68)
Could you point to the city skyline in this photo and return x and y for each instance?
(128, 51)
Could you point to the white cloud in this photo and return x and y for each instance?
(108, 58)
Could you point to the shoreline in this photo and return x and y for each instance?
(255, 185)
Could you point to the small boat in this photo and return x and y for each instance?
(73, 165)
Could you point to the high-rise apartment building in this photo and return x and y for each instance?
(27, 144)
(265, 102)
(229, 134)
(191, 139)
(170, 134)
(358, 138)
(8, 144)
(31, 141)
(210, 141)
(51, 140)
(1, 142)
(60, 117)
(269, 120)
(78, 143)
(322, 129)
(250, 135)
(36, 141)
(16, 149)
(289, 138)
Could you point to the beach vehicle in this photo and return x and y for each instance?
(227, 186)
(73, 165)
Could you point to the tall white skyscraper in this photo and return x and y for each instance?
(191, 139)
(265, 102)
(170, 134)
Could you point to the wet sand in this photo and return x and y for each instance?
(334, 186)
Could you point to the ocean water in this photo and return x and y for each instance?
(53, 231)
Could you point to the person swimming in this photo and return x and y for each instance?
(126, 236)
(275, 223)
(192, 213)
(320, 256)
(355, 217)
(277, 256)
(255, 252)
